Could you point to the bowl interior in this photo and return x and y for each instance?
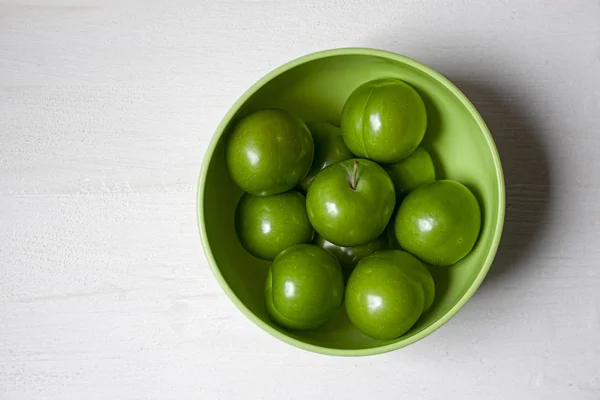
(316, 89)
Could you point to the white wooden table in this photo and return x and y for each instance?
(106, 109)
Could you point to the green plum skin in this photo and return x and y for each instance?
(415, 170)
(351, 255)
(439, 222)
(329, 149)
(304, 287)
(269, 151)
(267, 225)
(387, 293)
(347, 216)
(384, 120)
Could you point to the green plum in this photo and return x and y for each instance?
(415, 170)
(329, 149)
(350, 203)
(439, 222)
(266, 225)
(387, 293)
(304, 287)
(351, 255)
(269, 151)
(384, 120)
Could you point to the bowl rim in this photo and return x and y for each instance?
(220, 131)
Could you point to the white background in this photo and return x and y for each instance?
(106, 109)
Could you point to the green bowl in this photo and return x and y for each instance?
(315, 87)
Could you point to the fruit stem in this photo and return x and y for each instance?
(354, 176)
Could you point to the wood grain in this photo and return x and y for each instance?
(106, 109)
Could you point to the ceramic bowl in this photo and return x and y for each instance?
(315, 87)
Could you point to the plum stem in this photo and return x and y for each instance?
(354, 176)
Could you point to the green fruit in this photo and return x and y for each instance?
(267, 225)
(269, 152)
(329, 149)
(304, 287)
(384, 120)
(387, 293)
(350, 203)
(439, 222)
(351, 255)
(415, 170)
